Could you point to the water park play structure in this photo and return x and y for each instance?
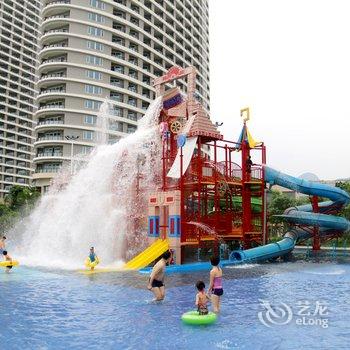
(205, 199)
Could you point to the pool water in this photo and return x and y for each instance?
(48, 309)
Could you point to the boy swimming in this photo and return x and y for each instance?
(202, 298)
(215, 285)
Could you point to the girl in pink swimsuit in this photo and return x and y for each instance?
(215, 286)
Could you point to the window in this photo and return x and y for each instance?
(117, 68)
(92, 74)
(117, 82)
(90, 119)
(98, 4)
(117, 111)
(96, 17)
(86, 150)
(132, 116)
(132, 73)
(132, 101)
(131, 129)
(91, 104)
(132, 87)
(133, 47)
(118, 40)
(88, 135)
(93, 45)
(92, 89)
(95, 31)
(116, 96)
(94, 60)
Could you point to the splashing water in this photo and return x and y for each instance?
(102, 123)
(99, 206)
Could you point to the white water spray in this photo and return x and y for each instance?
(102, 123)
(97, 207)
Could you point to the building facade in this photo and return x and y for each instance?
(92, 50)
(19, 32)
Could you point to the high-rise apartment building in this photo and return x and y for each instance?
(93, 50)
(19, 32)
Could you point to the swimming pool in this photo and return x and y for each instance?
(47, 309)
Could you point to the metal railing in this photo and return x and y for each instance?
(47, 91)
(44, 138)
(58, 59)
(62, 44)
(45, 170)
(57, 2)
(51, 106)
(46, 122)
(61, 30)
(53, 75)
(50, 154)
(55, 16)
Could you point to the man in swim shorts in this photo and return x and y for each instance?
(7, 258)
(156, 280)
(2, 244)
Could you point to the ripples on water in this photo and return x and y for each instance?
(48, 309)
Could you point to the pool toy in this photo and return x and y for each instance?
(9, 263)
(194, 318)
(90, 264)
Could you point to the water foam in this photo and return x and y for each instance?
(98, 206)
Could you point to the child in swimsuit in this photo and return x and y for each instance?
(202, 299)
(92, 254)
(215, 286)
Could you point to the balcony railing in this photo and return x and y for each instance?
(46, 122)
(45, 170)
(61, 30)
(47, 91)
(49, 137)
(50, 154)
(58, 59)
(57, 2)
(56, 16)
(51, 106)
(53, 75)
(62, 44)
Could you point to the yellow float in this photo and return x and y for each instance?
(91, 264)
(9, 263)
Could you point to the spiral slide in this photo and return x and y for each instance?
(303, 214)
(300, 215)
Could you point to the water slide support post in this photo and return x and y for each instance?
(316, 246)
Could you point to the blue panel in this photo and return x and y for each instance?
(174, 225)
(153, 226)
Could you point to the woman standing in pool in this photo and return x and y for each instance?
(215, 285)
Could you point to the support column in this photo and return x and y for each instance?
(316, 245)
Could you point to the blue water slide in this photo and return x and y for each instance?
(300, 215)
(297, 215)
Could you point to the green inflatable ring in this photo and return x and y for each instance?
(193, 317)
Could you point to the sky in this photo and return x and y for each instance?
(289, 61)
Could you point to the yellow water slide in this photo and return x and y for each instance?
(150, 254)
